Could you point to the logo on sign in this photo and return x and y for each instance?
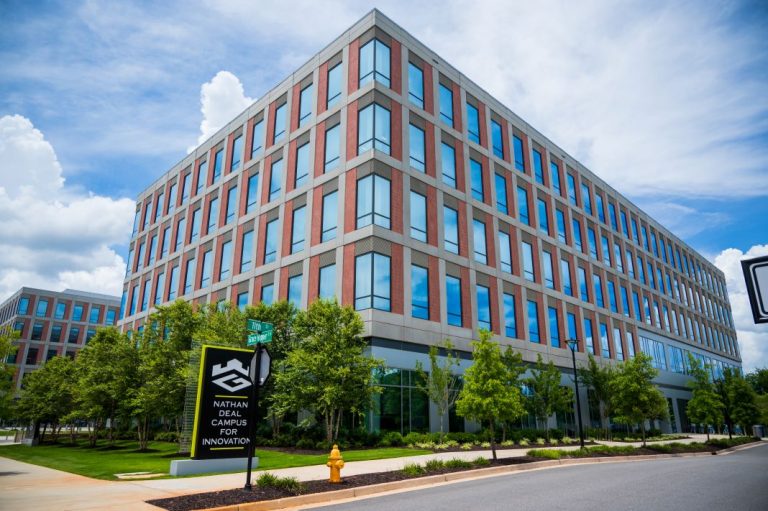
(234, 375)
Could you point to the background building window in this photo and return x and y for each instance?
(373, 131)
(446, 105)
(374, 62)
(484, 307)
(451, 229)
(453, 300)
(419, 292)
(448, 160)
(415, 85)
(327, 282)
(373, 201)
(330, 216)
(418, 216)
(372, 281)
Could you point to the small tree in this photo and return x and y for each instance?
(547, 395)
(758, 379)
(635, 398)
(598, 378)
(441, 384)
(738, 399)
(487, 394)
(705, 406)
(7, 370)
(48, 393)
(328, 371)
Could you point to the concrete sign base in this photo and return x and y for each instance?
(190, 467)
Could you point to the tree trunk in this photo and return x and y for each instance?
(441, 427)
(42, 433)
(493, 441)
(338, 424)
(642, 429)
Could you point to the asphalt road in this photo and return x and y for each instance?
(733, 482)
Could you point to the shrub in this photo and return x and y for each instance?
(289, 484)
(415, 438)
(553, 441)
(461, 437)
(391, 439)
(481, 462)
(467, 446)
(167, 436)
(485, 445)
(450, 444)
(306, 443)
(457, 463)
(540, 441)
(567, 440)
(413, 470)
(551, 454)
(425, 445)
(508, 443)
(434, 465)
(524, 442)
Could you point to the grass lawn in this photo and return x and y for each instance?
(102, 462)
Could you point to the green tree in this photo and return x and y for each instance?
(758, 379)
(598, 379)
(48, 395)
(441, 384)
(487, 394)
(738, 399)
(705, 406)
(7, 370)
(547, 395)
(328, 371)
(635, 397)
(181, 322)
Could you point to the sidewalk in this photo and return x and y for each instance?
(31, 487)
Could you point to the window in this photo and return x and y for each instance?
(630, 345)
(373, 129)
(305, 104)
(189, 276)
(60, 310)
(478, 238)
(267, 294)
(560, 219)
(510, 324)
(226, 260)
(181, 227)
(330, 216)
(231, 205)
(473, 123)
(37, 332)
(327, 282)
(546, 262)
(140, 256)
(476, 175)
(159, 206)
(572, 189)
(374, 62)
(334, 86)
(196, 221)
(617, 257)
(417, 154)
(32, 354)
(213, 214)
(55, 333)
(332, 148)
(145, 295)
(522, 205)
(448, 158)
(505, 252)
(617, 346)
(446, 105)
(166, 242)
(501, 194)
(624, 301)
(606, 250)
(635, 230)
(258, 138)
(497, 139)
(453, 300)
(159, 287)
(202, 177)
(418, 216)
(152, 249)
(280, 115)
(297, 229)
(612, 296)
(577, 235)
(237, 153)
(599, 205)
(554, 327)
(543, 217)
(94, 313)
(172, 287)
(246, 255)
(302, 165)
(597, 283)
(270, 245)
(294, 290)
(275, 180)
(519, 153)
(483, 307)
(242, 301)
(538, 169)
(415, 85)
(589, 336)
(147, 211)
(528, 271)
(77, 313)
(604, 346)
(252, 193)
(555, 171)
(583, 288)
(636, 303)
(373, 203)
(451, 229)
(42, 308)
(585, 197)
(372, 281)
(565, 269)
(74, 332)
(419, 292)
(592, 238)
(135, 224)
(571, 320)
(205, 277)
(612, 216)
(217, 163)
(533, 321)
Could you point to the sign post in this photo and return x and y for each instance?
(756, 275)
(259, 371)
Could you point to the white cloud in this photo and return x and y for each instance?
(52, 236)
(682, 220)
(753, 339)
(221, 100)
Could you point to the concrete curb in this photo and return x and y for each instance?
(419, 482)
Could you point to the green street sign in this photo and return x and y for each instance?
(262, 338)
(254, 325)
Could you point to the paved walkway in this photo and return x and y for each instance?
(31, 487)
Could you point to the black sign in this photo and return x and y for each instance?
(223, 397)
(756, 276)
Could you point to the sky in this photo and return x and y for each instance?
(665, 101)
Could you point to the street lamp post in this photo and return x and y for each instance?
(574, 345)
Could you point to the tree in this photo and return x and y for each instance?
(547, 395)
(327, 372)
(635, 397)
(48, 394)
(598, 378)
(705, 406)
(487, 394)
(738, 399)
(758, 379)
(181, 322)
(7, 370)
(441, 384)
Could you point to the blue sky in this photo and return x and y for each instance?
(667, 102)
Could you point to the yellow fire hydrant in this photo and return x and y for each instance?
(336, 463)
